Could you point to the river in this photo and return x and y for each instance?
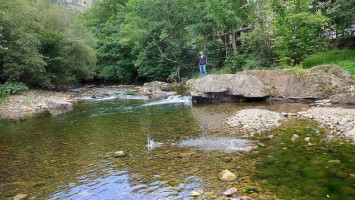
(172, 148)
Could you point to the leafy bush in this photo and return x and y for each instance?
(298, 32)
(13, 88)
(235, 63)
(344, 58)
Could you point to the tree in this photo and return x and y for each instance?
(46, 44)
(155, 29)
(228, 15)
(340, 13)
(115, 61)
(298, 31)
(22, 61)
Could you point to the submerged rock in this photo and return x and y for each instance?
(307, 139)
(227, 176)
(334, 161)
(20, 197)
(119, 153)
(295, 136)
(194, 194)
(230, 191)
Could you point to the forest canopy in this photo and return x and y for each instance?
(43, 44)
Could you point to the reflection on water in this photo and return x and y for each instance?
(70, 156)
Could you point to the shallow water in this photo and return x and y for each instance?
(70, 156)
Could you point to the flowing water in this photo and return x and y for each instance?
(172, 148)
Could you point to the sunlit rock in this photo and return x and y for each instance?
(194, 194)
(20, 197)
(227, 176)
(119, 153)
(230, 191)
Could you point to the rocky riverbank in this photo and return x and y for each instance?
(35, 101)
(17, 107)
(340, 121)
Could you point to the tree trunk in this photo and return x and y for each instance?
(234, 45)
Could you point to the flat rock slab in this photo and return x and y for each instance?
(227, 87)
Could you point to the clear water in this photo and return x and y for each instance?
(71, 156)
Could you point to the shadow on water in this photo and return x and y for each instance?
(70, 156)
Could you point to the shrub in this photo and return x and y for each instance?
(13, 88)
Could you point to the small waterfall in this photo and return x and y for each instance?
(178, 99)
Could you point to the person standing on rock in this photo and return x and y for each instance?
(203, 62)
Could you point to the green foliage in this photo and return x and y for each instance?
(28, 101)
(46, 44)
(298, 32)
(21, 61)
(13, 87)
(340, 12)
(3, 97)
(115, 61)
(344, 58)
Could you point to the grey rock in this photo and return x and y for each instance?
(226, 87)
(58, 104)
(20, 197)
(295, 136)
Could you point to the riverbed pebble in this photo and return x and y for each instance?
(119, 153)
(341, 121)
(307, 139)
(194, 194)
(255, 120)
(230, 191)
(227, 176)
(20, 197)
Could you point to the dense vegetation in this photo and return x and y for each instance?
(122, 41)
(43, 44)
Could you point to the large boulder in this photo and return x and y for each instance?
(316, 83)
(157, 86)
(158, 90)
(226, 87)
(327, 81)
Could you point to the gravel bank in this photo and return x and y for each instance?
(255, 120)
(34, 101)
(340, 121)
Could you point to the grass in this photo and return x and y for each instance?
(223, 70)
(344, 58)
(28, 101)
(3, 97)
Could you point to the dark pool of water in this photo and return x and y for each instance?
(70, 156)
